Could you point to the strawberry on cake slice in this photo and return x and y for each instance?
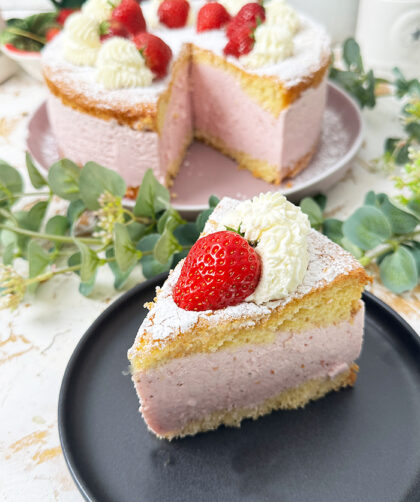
(263, 314)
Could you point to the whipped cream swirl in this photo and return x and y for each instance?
(81, 40)
(274, 37)
(121, 65)
(100, 10)
(280, 230)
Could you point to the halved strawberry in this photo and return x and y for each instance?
(63, 14)
(155, 51)
(212, 16)
(113, 28)
(240, 40)
(252, 13)
(129, 13)
(221, 270)
(174, 13)
(52, 33)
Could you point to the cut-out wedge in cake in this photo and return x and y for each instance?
(292, 340)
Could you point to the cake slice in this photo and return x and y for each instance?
(196, 370)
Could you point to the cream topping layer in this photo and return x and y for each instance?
(311, 52)
(172, 395)
(326, 262)
(279, 229)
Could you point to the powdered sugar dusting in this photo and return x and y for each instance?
(311, 52)
(166, 320)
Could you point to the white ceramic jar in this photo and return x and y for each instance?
(338, 16)
(389, 34)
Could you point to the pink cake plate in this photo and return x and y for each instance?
(207, 172)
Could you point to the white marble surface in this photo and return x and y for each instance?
(38, 338)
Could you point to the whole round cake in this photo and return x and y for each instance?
(131, 87)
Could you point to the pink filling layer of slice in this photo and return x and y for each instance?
(192, 387)
(217, 106)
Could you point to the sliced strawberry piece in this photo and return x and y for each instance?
(113, 28)
(155, 51)
(241, 40)
(129, 13)
(212, 16)
(221, 270)
(63, 14)
(174, 13)
(52, 33)
(252, 13)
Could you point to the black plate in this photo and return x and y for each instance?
(360, 444)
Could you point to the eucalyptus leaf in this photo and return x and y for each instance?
(166, 246)
(321, 200)
(63, 178)
(57, 225)
(38, 260)
(313, 211)
(120, 277)
(414, 249)
(414, 206)
(333, 229)
(89, 262)
(85, 288)
(10, 183)
(401, 221)
(136, 230)
(150, 266)
(32, 219)
(213, 201)
(126, 254)
(75, 209)
(370, 198)
(95, 180)
(170, 219)
(367, 227)
(9, 254)
(351, 55)
(202, 219)
(398, 271)
(187, 234)
(152, 197)
(351, 248)
(37, 180)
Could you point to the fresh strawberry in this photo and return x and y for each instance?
(212, 16)
(51, 33)
(109, 29)
(156, 53)
(240, 40)
(63, 14)
(174, 13)
(221, 269)
(129, 13)
(251, 13)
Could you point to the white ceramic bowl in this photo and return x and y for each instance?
(29, 61)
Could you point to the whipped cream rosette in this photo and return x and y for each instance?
(81, 39)
(280, 230)
(274, 37)
(120, 65)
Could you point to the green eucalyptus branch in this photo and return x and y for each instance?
(152, 235)
(380, 231)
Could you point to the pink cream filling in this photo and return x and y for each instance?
(217, 106)
(225, 111)
(190, 388)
